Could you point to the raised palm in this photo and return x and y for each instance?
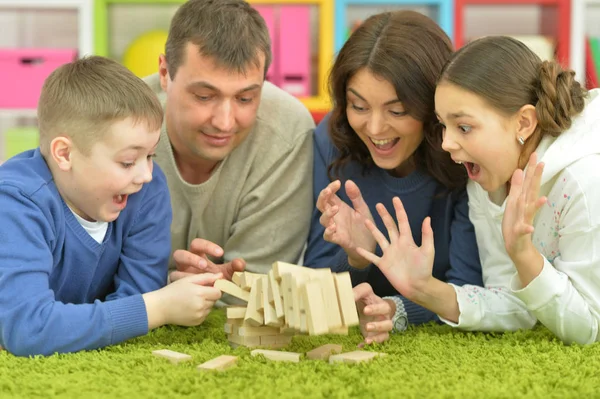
(407, 266)
(345, 224)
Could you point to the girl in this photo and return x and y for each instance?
(383, 136)
(537, 224)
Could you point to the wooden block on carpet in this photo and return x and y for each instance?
(354, 357)
(172, 356)
(323, 352)
(277, 356)
(236, 312)
(219, 363)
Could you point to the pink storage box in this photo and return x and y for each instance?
(23, 71)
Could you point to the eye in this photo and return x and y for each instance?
(442, 125)
(357, 108)
(150, 156)
(464, 128)
(396, 113)
(202, 98)
(127, 165)
(245, 100)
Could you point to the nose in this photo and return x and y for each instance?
(375, 124)
(144, 172)
(223, 118)
(449, 144)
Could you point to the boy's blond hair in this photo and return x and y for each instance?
(84, 98)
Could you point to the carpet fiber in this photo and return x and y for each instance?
(428, 361)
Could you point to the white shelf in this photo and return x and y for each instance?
(18, 113)
(85, 17)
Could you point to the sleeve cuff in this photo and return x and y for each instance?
(468, 298)
(548, 284)
(129, 318)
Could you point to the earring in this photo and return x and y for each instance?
(521, 140)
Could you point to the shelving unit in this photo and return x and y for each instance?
(445, 14)
(578, 35)
(318, 104)
(555, 21)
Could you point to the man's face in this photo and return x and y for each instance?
(210, 110)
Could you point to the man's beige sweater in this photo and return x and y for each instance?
(257, 203)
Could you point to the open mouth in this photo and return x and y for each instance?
(120, 199)
(385, 145)
(473, 170)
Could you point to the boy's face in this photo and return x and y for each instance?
(98, 185)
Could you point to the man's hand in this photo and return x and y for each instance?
(196, 261)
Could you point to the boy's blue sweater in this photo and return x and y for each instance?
(61, 291)
(456, 253)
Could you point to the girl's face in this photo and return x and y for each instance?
(477, 135)
(378, 117)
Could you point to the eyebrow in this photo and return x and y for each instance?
(139, 147)
(396, 100)
(456, 115)
(206, 85)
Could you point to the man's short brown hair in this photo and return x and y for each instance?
(230, 31)
(84, 98)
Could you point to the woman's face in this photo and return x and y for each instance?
(378, 117)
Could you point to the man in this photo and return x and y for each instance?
(236, 150)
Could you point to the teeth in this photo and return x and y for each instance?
(382, 142)
(119, 198)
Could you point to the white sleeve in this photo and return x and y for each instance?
(495, 307)
(565, 296)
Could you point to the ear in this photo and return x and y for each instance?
(526, 120)
(61, 151)
(163, 71)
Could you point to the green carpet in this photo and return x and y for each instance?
(429, 361)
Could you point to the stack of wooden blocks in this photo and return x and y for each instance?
(289, 300)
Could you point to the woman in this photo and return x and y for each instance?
(382, 136)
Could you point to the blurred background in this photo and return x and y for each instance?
(40, 35)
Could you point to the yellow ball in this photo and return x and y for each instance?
(141, 57)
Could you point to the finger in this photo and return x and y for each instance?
(358, 203)
(374, 259)
(378, 309)
(388, 221)
(533, 195)
(377, 235)
(238, 264)
(530, 171)
(380, 326)
(328, 234)
(403, 225)
(427, 245)
(327, 216)
(200, 246)
(210, 294)
(177, 275)
(205, 279)
(186, 260)
(362, 291)
(378, 338)
(327, 195)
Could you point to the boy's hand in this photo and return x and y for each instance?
(185, 302)
(196, 261)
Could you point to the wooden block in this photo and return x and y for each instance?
(332, 308)
(232, 289)
(253, 316)
(228, 328)
(237, 278)
(298, 307)
(249, 342)
(354, 357)
(261, 293)
(323, 352)
(277, 356)
(276, 295)
(172, 356)
(315, 308)
(236, 312)
(284, 339)
(218, 363)
(281, 268)
(247, 279)
(286, 291)
(339, 331)
(274, 341)
(343, 286)
(249, 331)
(269, 312)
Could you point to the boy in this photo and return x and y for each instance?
(85, 219)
